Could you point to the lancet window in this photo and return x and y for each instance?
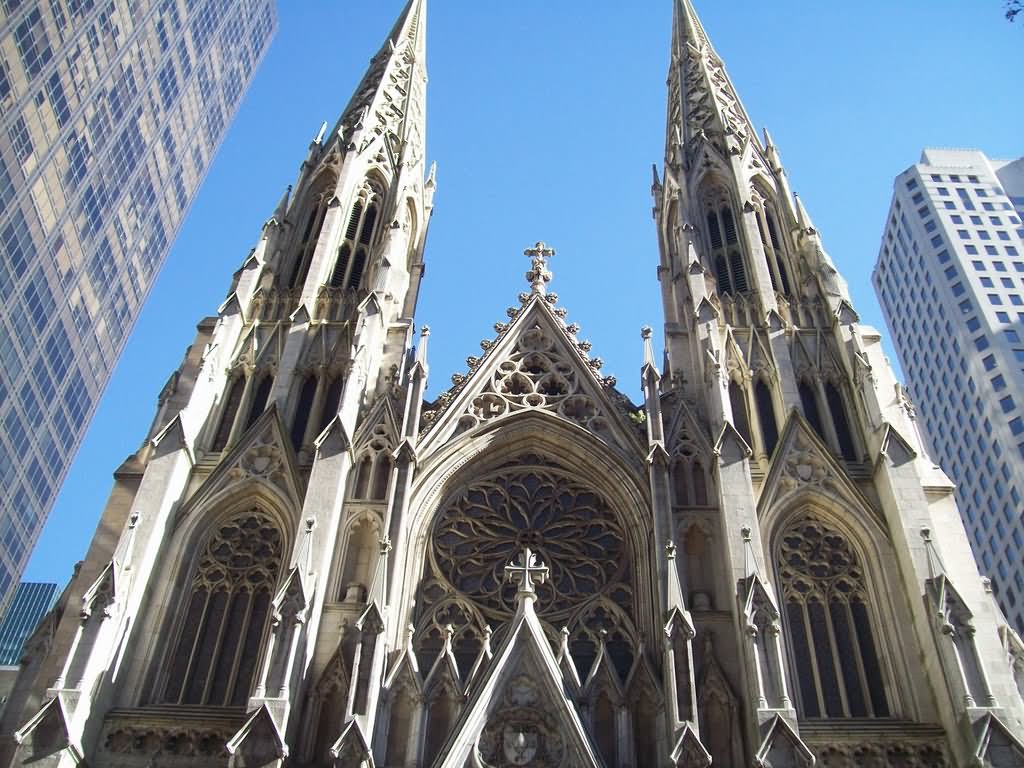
(766, 415)
(226, 616)
(316, 403)
(229, 411)
(829, 622)
(319, 200)
(360, 232)
(825, 409)
(303, 408)
(244, 401)
(373, 469)
(725, 248)
(774, 250)
(259, 399)
(740, 417)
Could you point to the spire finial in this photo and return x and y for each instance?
(539, 275)
(527, 570)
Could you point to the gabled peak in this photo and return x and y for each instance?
(277, 219)
(782, 747)
(535, 363)
(257, 742)
(688, 752)
(997, 746)
(46, 735)
(803, 218)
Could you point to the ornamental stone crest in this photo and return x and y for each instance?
(520, 730)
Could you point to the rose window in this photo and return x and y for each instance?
(486, 524)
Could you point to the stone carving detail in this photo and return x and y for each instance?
(805, 466)
(881, 755)
(245, 553)
(815, 560)
(168, 742)
(572, 530)
(520, 731)
(536, 376)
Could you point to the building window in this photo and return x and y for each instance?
(730, 267)
(222, 629)
(353, 253)
(302, 411)
(33, 45)
(829, 623)
(766, 415)
(738, 402)
(228, 413)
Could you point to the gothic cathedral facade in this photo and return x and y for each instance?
(306, 564)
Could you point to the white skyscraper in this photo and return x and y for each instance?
(950, 278)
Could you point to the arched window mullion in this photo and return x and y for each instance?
(813, 657)
(242, 634)
(218, 647)
(861, 672)
(837, 663)
(193, 647)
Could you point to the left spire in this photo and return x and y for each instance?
(391, 96)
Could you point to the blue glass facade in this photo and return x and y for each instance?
(30, 603)
(110, 114)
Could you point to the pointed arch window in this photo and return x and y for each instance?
(302, 411)
(738, 402)
(837, 408)
(809, 402)
(319, 199)
(725, 249)
(829, 622)
(773, 250)
(766, 415)
(332, 402)
(259, 399)
(226, 617)
(360, 236)
(227, 415)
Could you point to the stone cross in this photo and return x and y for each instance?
(539, 275)
(525, 572)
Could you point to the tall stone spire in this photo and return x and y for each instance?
(391, 96)
(710, 107)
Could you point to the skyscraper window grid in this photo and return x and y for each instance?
(110, 114)
(955, 310)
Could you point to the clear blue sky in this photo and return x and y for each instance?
(544, 118)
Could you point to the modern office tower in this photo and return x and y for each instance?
(950, 279)
(30, 603)
(305, 564)
(110, 114)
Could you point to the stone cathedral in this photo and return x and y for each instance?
(307, 564)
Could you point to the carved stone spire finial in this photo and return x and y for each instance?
(539, 275)
(525, 572)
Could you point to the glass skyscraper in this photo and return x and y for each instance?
(110, 114)
(31, 602)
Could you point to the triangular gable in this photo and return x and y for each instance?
(730, 447)
(46, 735)
(257, 743)
(895, 447)
(383, 413)
(997, 747)
(352, 748)
(521, 697)
(688, 752)
(534, 365)
(782, 747)
(263, 458)
(683, 428)
(803, 467)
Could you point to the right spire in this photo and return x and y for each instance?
(707, 104)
